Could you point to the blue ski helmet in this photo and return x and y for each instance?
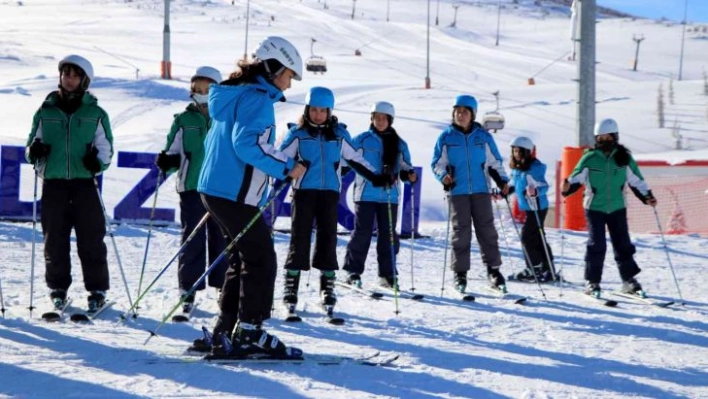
(320, 97)
(468, 101)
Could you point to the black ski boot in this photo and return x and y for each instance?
(593, 289)
(389, 282)
(329, 298)
(354, 279)
(460, 282)
(496, 280)
(632, 287)
(96, 300)
(250, 339)
(58, 298)
(188, 304)
(224, 326)
(292, 283)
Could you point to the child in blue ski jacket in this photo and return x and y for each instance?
(378, 200)
(464, 160)
(321, 143)
(528, 181)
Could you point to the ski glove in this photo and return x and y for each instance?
(91, 161)
(39, 151)
(383, 180)
(167, 162)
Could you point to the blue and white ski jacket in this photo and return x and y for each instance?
(239, 151)
(471, 158)
(323, 156)
(535, 177)
(370, 145)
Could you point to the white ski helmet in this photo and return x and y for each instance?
(277, 48)
(207, 72)
(80, 62)
(383, 107)
(606, 126)
(522, 142)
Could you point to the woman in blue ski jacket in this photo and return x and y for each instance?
(528, 182)
(321, 143)
(239, 157)
(464, 160)
(378, 200)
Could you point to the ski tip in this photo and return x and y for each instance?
(79, 318)
(337, 321)
(377, 295)
(293, 319)
(180, 319)
(520, 301)
(468, 298)
(610, 303)
(417, 297)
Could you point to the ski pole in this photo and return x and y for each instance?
(534, 208)
(186, 242)
(447, 243)
(391, 232)
(2, 301)
(523, 249)
(668, 258)
(501, 225)
(412, 236)
(34, 239)
(562, 234)
(113, 240)
(147, 244)
(211, 267)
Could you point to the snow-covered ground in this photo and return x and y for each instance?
(558, 346)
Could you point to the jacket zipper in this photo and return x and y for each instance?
(68, 147)
(322, 162)
(469, 168)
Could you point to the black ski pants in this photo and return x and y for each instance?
(66, 205)
(532, 240)
(358, 248)
(308, 207)
(192, 261)
(622, 246)
(250, 279)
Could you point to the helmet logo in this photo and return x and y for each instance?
(287, 56)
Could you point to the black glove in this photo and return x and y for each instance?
(39, 151)
(382, 180)
(166, 162)
(91, 162)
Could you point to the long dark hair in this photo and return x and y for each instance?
(524, 164)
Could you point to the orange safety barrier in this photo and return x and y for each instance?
(573, 212)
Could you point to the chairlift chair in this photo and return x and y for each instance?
(493, 121)
(315, 64)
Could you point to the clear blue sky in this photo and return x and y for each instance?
(655, 9)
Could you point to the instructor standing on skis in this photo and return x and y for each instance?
(464, 159)
(234, 179)
(70, 143)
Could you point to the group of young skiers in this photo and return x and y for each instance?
(222, 148)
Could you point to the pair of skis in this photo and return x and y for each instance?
(376, 359)
(379, 295)
(83, 316)
(292, 316)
